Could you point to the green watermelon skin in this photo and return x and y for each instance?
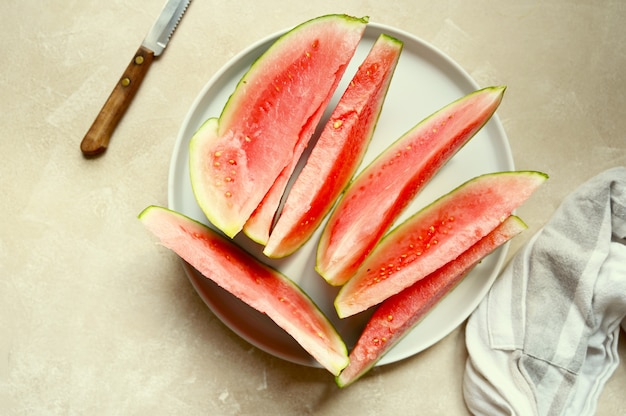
(396, 316)
(263, 288)
(434, 236)
(235, 160)
(338, 151)
(380, 192)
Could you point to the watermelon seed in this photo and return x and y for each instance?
(337, 124)
(390, 318)
(228, 194)
(218, 154)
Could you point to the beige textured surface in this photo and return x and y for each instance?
(95, 319)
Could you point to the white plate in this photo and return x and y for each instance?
(425, 80)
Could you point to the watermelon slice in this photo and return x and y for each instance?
(263, 288)
(396, 316)
(235, 160)
(383, 189)
(338, 151)
(434, 236)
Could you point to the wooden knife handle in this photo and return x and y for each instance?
(97, 138)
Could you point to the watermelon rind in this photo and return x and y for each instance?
(265, 289)
(435, 235)
(399, 314)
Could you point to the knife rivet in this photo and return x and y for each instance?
(138, 60)
(125, 82)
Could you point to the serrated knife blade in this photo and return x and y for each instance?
(99, 134)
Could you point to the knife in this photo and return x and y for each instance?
(97, 138)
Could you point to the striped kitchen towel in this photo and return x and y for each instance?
(544, 339)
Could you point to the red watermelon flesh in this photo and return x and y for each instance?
(338, 151)
(261, 287)
(258, 226)
(434, 236)
(396, 316)
(377, 196)
(236, 159)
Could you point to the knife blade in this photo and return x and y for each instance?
(99, 134)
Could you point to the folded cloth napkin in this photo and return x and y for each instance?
(544, 339)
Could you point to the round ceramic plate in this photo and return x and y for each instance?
(424, 81)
